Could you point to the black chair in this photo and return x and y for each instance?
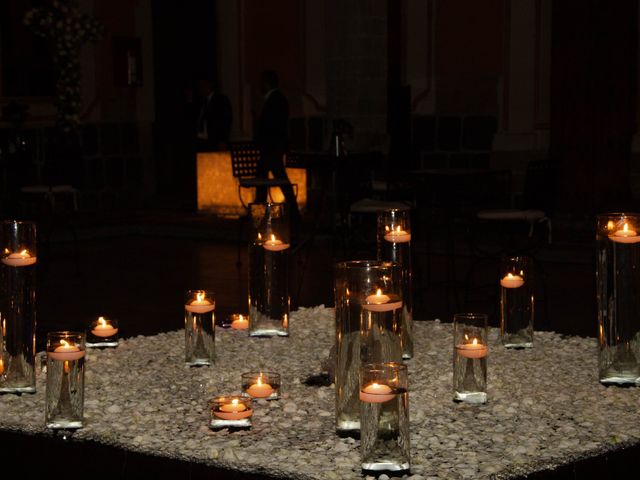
(245, 157)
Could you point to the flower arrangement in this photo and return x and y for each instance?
(68, 29)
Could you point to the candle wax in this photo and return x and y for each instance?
(376, 393)
(66, 352)
(233, 410)
(104, 329)
(472, 350)
(240, 323)
(200, 305)
(397, 236)
(511, 281)
(260, 389)
(19, 259)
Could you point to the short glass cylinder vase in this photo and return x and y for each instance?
(394, 245)
(470, 350)
(199, 327)
(232, 412)
(368, 309)
(261, 385)
(18, 259)
(269, 248)
(384, 418)
(64, 399)
(618, 287)
(516, 302)
(102, 333)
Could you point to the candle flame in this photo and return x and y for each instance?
(102, 322)
(625, 229)
(509, 276)
(466, 337)
(259, 236)
(475, 341)
(6, 250)
(398, 229)
(610, 225)
(386, 228)
(379, 292)
(25, 252)
(374, 385)
(259, 383)
(273, 237)
(240, 318)
(64, 343)
(200, 296)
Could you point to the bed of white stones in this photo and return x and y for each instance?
(545, 407)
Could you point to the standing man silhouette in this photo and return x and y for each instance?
(272, 137)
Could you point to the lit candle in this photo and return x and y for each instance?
(260, 389)
(511, 281)
(104, 328)
(18, 259)
(626, 235)
(234, 410)
(376, 393)
(380, 303)
(396, 236)
(275, 245)
(66, 351)
(239, 322)
(200, 304)
(472, 350)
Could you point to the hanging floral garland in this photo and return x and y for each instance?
(68, 29)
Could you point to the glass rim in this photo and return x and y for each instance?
(68, 333)
(264, 374)
(200, 290)
(471, 315)
(395, 209)
(227, 398)
(18, 222)
(366, 264)
(382, 366)
(618, 214)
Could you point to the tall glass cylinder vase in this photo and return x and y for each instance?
(64, 399)
(394, 245)
(268, 270)
(470, 349)
(199, 327)
(516, 302)
(18, 258)
(618, 287)
(368, 308)
(384, 419)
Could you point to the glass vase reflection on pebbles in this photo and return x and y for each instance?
(516, 302)
(394, 245)
(384, 418)
(269, 248)
(18, 260)
(618, 284)
(470, 350)
(64, 398)
(368, 310)
(199, 327)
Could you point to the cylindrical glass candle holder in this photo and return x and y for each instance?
(368, 309)
(231, 412)
(102, 332)
(261, 385)
(618, 284)
(268, 270)
(199, 327)
(516, 302)
(64, 399)
(18, 258)
(394, 245)
(384, 418)
(470, 349)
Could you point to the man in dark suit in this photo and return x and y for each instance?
(272, 137)
(213, 122)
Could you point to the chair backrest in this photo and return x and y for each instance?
(244, 159)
